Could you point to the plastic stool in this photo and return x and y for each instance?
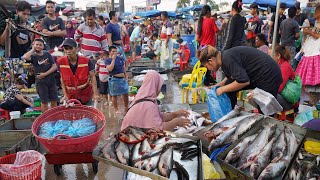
(4, 114)
(282, 116)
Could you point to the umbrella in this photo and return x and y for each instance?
(265, 3)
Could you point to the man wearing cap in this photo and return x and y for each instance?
(77, 74)
(133, 39)
(253, 25)
(300, 17)
(282, 17)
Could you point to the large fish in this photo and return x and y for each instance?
(145, 147)
(135, 155)
(262, 160)
(238, 150)
(230, 122)
(235, 112)
(221, 138)
(244, 125)
(279, 148)
(109, 150)
(274, 169)
(292, 143)
(122, 152)
(165, 164)
(152, 163)
(256, 146)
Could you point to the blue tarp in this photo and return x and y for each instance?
(155, 13)
(265, 3)
(191, 8)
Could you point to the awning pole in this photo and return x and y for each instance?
(275, 29)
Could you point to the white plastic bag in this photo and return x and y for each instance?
(266, 101)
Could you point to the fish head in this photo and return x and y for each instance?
(255, 170)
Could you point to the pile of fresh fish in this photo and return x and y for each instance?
(306, 166)
(265, 154)
(198, 122)
(157, 154)
(230, 127)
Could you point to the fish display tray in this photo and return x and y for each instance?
(14, 141)
(311, 134)
(143, 63)
(17, 124)
(138, 70)
(174, 107)
(205, 141)
(151, 175)
(297, 130)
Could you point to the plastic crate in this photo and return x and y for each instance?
(32, 114)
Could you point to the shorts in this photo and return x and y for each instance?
(132, 47)
(104, 88)
(118, 86)
(47, 90)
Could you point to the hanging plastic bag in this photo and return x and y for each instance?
(266, 101)
(218, 106)
(291, 92)
(165, 52)
(82, 127)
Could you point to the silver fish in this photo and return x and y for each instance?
(221, 138)
(145, 147)
(137, 133)
(292, 143)
(109, 150)
(230, 122)
(279, 148)
(238, 150)
(274, 169)
(244, 125)
(135, 156)
(165, 164)
(235, 112)
(122, 152)
(256, 146)
(262, 160)
(152, 163)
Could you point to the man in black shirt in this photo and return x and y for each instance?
(20, 38)
(282, 17)
(53, 26)
(300, 17)
(44, 68)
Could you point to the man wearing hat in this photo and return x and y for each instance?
(283, 7)
(300, 17)
(253, 25)
(77, 74)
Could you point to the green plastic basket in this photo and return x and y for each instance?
(133, 90)
(32, 114)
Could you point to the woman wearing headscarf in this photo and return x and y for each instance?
(70, 30)
(235, 30)
(144, 112)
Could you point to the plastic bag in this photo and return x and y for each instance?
(302, 118)
(50, 129)
(266, 101)
(25, 165)
(218, 106)
(80, 128)
(291, 92)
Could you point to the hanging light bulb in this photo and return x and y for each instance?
(56, 49)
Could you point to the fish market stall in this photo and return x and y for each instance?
(154, 154)
(263, 152)
(306, 163)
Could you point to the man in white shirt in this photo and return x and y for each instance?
(155, 51)
(133, 39)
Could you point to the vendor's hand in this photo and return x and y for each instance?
(181, 122)
(64, 98)
(114, 57)
(166, 45)
(182, 112)
(41, 75)
(219, 91)
(250, 95)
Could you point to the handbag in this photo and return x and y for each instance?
(291, 92)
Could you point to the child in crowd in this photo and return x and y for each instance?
(118, 83)
(13, 99)
(103, 73)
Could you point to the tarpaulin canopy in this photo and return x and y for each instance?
(155, 13)
(191, 8)
(265, 3)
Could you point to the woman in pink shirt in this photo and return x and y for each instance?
(144, 111)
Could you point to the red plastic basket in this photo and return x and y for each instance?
(35, 173)
(70, 145)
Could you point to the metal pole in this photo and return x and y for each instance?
(112, 5)
(8, 40)
(121, 8)
(275, 29)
